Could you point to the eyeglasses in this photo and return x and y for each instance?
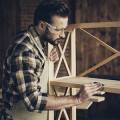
(54, 30)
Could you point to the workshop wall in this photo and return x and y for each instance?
(9, 25)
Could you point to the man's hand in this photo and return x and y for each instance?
(87, 90)
(54, 55)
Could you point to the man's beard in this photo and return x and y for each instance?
(53, 42)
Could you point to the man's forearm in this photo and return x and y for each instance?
(86, 91)
(55, 103)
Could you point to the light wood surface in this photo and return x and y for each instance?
(50, 77)
(85, 105)
(111, 86)
(73, 70)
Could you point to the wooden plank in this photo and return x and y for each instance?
(73, 70)
(85, 105)
(50, 75)
(73, 53)
(111, 86)
(73, 109)
(55, 79)
(93, 25)
(50, 68)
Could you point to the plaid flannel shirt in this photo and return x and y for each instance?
(22, 69)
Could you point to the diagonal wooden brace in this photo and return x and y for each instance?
(63, 57)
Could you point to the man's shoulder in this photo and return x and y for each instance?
(21, 37)
(20, 43)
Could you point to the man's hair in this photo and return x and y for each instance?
(48, 8)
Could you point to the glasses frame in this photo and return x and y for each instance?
(55, 28)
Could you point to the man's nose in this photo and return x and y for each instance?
(62, 34)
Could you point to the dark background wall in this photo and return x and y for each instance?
(9, 25)
(16, 15)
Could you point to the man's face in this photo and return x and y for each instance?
(55, 31)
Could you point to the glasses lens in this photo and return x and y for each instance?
(53, 29)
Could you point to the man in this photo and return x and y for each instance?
(25, 68)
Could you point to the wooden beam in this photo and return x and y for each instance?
(93, 25)
(73, 53)
(50, 75)
(73, 70)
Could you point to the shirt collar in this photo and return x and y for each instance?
(36, 36)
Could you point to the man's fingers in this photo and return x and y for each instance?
(93, 86)
(53, 51)
(55, 60)
(54, 55)
(87, 90)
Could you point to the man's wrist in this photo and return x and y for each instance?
(77, 100)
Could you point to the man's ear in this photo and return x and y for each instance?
(41, 25)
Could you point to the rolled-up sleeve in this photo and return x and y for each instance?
(23, 69)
